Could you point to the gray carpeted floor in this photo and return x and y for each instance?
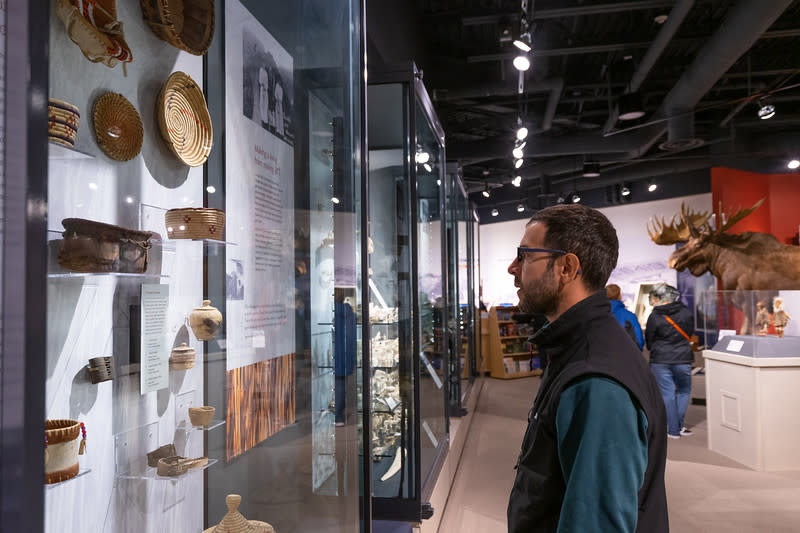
(706, 492)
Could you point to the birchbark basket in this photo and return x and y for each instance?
(201, 416)
(168, 450)
(188, 25)
(90, 246)
(234, 522)
(61, 454)
(177, 465)
(195, 223)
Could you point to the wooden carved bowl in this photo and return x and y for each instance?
(117, 127)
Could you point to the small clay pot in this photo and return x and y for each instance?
(182, 357)
(205, 321)
(201, 416)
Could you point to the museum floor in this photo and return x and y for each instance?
(706, 492)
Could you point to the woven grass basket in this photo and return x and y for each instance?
(195, 223)
(185, 24)
(184, 120)
(118, 127)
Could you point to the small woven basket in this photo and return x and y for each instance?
(61, 452)
(117, 127)
(195, 223)
(185, 24)
(184, 120)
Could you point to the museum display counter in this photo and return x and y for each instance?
(751, 400)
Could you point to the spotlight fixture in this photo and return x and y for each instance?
(591, 170)
(517, 152)
(522, 132)
(793, 164)
(520, 208)
(335, 200)
(495, 212)
(516, 182)
(421, 156)
(518, 163)
(625, 191)
(576, 198)
(486, 192)
(652, 186)
(560, 200)
(765, 109)
(524, 42)
(631, 106)
(522, 63)
(427, 167)
(438, 183)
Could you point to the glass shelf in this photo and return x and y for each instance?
(152, 473)
(56, 151)
(110, 274)
(80, 474)
(214, 424)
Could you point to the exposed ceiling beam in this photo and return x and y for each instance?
(542, 14)
(615, 47)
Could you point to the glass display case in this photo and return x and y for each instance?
(407, 301)
(462, 315)
(196, 251)
(756, 323)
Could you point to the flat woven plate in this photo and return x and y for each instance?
(117, 127)
(184, 120)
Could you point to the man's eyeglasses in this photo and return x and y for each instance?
(521, 251)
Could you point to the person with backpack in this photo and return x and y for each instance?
(626, 319)
(668, 334)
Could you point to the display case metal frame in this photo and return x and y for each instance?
(417, 507)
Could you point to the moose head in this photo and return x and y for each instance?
(694, 229)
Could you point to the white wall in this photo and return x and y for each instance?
(640, 259)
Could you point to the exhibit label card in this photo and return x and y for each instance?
(154, 373)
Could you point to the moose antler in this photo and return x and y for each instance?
(731, 220)
(691, 222)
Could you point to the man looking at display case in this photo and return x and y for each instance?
(593, 454)
(626, 319)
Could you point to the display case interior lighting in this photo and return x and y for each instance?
(495, 212)
(211, 189)
(520, 208)
(517, 181)
(793, 164)
(522, 63)
(421, 156)
(652, 186)
(427, 167)
(335, 200)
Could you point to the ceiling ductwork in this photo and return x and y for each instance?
(680, 134)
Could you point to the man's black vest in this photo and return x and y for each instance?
(585, 340)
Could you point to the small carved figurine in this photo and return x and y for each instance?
(779, 317)
(762, 318)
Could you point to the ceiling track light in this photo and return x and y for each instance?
(517, 181)
(520, 208)
(522, 63)
(765, 109)
(591, 170)
(652, 186)
(518, 163)
(631, 106)
(495, 212)
(517, 152)
(625, 191)
(793, 164)
(576, 198)
(486, 193)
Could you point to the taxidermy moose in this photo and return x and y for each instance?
(746, 261)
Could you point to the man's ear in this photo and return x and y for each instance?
(571, 266)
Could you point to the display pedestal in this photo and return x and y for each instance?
(751, 404)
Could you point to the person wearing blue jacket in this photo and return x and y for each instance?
(625, 318)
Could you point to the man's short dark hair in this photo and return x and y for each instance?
(585, 232)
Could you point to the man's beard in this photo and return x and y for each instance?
(541, 297)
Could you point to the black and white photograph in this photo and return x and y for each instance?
(234, 280)
(266, 88)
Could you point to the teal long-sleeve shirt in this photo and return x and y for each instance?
(602, 447)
